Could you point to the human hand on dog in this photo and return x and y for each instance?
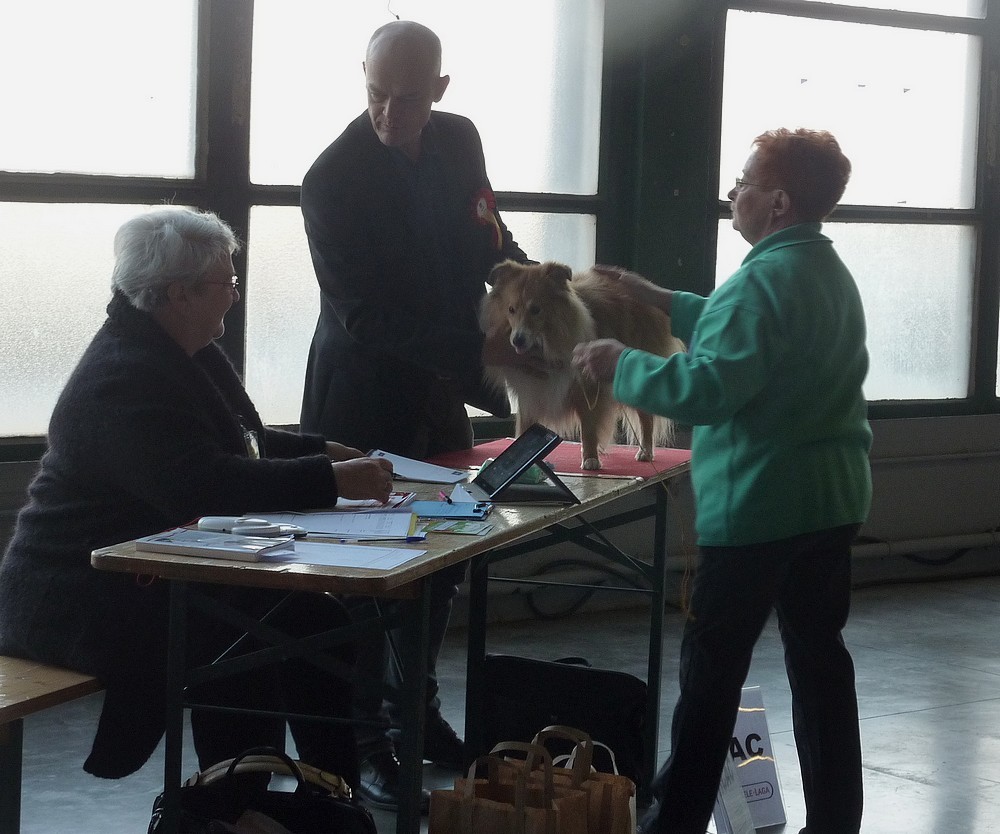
(641, 289)
(499, 352)
(597, 360)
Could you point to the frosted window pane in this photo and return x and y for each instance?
(916, 283)
(282, 299)
(56, 283)
(98, 87)
(539, 113)
(282, 305)
(566, 238)
(955, 8)
(904, 108)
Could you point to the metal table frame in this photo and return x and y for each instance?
(407, 584)
(589, 536)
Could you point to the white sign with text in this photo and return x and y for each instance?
(753, 757)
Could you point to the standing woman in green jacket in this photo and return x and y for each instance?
(772, 384)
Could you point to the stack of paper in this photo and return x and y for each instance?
(416, 470)
(356, 526)
(397, 501)
(188, 542)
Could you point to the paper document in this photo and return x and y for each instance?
(397, 500)
(409, 469)
(359, 525)
(347, 555)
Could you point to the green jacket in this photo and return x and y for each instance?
(771, 384)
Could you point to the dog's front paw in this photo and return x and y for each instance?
(644, 454)
(591, 463)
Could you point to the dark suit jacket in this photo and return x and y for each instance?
(388, 325)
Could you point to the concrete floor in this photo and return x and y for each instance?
(928, 667)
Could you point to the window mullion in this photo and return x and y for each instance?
(224, 140)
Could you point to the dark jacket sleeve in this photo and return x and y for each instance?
(185, 460)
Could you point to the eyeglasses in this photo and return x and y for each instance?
(233, 283)
(741, 184)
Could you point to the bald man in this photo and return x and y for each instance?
(403, 231)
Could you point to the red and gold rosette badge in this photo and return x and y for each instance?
(484, 208)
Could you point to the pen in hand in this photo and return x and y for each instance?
(445, 497)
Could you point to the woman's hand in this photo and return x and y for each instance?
(597, 360)
(338, 451)
(641, 289)
(363, 477)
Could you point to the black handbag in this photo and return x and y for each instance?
(524, 695)
(215, 800)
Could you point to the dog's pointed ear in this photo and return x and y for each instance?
(502, 270)
(557, 271)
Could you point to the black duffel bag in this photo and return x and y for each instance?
(215, 800)
(524, 695)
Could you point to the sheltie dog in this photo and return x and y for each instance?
(546, 310)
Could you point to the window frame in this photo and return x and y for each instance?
(658, 164)
(984, 217)
(221, 181)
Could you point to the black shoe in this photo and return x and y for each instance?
(649, 822)
(442, 746)
(379, 786)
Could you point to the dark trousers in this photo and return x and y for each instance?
(806, 580)
(442, 426)
(375, 664)
(293, 686)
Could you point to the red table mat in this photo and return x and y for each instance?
(617, 460)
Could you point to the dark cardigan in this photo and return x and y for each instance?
(142, 438)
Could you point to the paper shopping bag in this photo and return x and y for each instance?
(522, 694)
(611, 797)
(505, 803)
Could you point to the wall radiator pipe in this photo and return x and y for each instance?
(586, 573)
(961, 541)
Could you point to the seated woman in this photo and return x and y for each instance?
(152, 430)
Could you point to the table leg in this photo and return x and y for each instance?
(174, 737)
(654, 666)
(475, 656)
(11, 751)
(413, 697)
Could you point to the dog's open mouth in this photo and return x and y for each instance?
(530, 350)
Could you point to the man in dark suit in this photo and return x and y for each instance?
(403, 231)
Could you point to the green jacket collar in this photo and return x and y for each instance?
(799, 233)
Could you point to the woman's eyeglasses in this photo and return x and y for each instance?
(233, 283)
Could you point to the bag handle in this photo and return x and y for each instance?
(272, 760)
(468, 800)
(581, 759)
(611, 755)
(573, 661)
(532, 752)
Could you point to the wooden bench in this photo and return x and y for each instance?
(27, 687)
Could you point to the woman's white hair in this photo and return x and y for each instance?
(164, 246)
